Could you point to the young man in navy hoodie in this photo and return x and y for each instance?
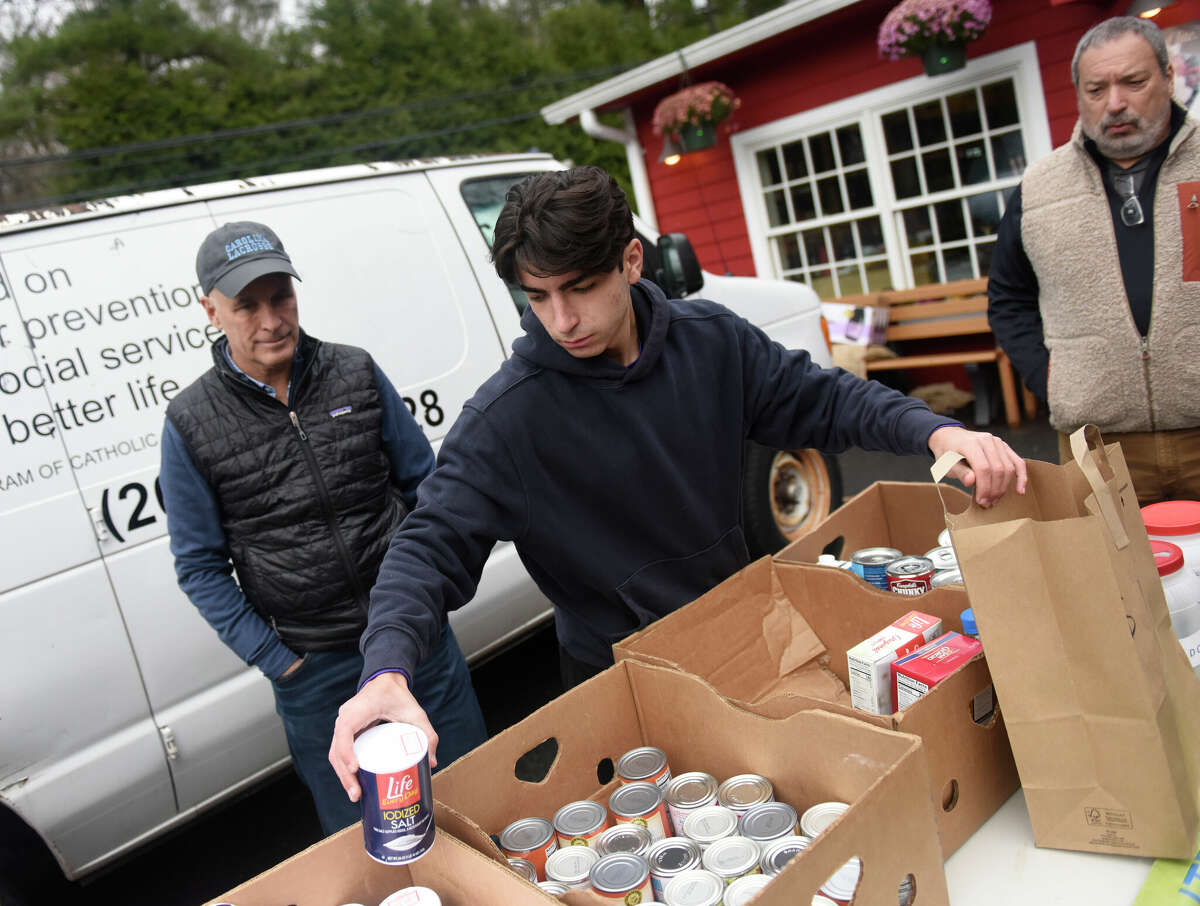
(608, 448)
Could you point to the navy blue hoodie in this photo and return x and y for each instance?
(620, 486)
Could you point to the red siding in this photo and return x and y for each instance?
(825, 61)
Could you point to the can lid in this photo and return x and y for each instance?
(619, 872)
(778, 853)
(710, 823)
(1168, 557)
(390, 747)
(1172, 517)
(635, 799)
(739, 892)
(731, 856)
(910, 566)
(523, 867)
(413, 896)
(694, 888)
(875, 556)
(843, 882)
(571, 864)
(744, 790)
(554, 888)
(642, 763)
(624, 838)
(525, 834)
(820, 816)
(582, 817)
(968, 622)
(768, 821)
(673, 854)
(691, 789)
(942, 557)
(944, 577)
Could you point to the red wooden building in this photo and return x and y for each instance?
(843, 170)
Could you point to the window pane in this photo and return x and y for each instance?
(985, 213)
(931, 129)
(802, 202)
(938, 175)
(879, 277)
(821, 149)
(925, 268)
(851, 145)
(842, 237)
(822, 284)
(870, 236)
(964, 114)
(858, 189)
(951, 226)
(917, 227)
(814, 247)
(1009, 152)
(793, 159)
(768, 167)
(1000, 104)
(849, 281)
(958, 263)
(777, 214)
(905, 181)
(972, 162)
(983, 251)
(789, 252)
(831, 195)
(896, 132)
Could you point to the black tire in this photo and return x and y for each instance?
(29, 875)
(785, 494)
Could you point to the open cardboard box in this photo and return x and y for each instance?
(773, 639)
(810, 757)
(338, 870)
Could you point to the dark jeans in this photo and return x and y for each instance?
(308, 703)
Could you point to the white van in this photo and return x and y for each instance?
(121, 714)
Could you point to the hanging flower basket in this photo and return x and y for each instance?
(690, 115)
(935, 30)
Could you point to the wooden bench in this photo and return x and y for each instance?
(947, 310)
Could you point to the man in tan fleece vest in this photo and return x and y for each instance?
(1094, 290)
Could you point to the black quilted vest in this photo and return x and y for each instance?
(304, 490)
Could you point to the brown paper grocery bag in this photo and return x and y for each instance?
(1103, 709)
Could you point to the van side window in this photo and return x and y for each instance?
(485, 198)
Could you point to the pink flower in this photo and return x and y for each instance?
(707, 102)
(913, 25)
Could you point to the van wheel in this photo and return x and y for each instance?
(786, 493)
(29, 875)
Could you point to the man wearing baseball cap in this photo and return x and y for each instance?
(292, 461)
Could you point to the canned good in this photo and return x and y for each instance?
(624, 838)
(642, 804)
(580, 823)
(669, 858)
(413, 896)
(742, 889)
(623, 876)
(942, 558)
(768, 821)
(688, 792)
(553, 888)
(524, 868)
(732, 858)
(397, 797)
(843, 882)
(648, 764)
(709, 824)
(571, 865)
(778, 853)
(531, 839)
(871, 563)
(946, 577)
(910, 575)
(820, 816)
(819, 900)
(944, 538)
(743, 791)
(694, 888)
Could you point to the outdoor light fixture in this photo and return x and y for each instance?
(1148, 9)
(671, 152)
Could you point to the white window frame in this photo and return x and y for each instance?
(1020, 63)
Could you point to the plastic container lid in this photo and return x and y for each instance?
(1172, 517)
(1168, 557)
(968, 620)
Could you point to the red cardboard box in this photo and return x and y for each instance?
(915, 674)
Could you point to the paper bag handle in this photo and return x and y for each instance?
(940, 469)
(1087, 446)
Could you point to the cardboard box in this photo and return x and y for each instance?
(858, 325)
(338, 870)
(810, 757)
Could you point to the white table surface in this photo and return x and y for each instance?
(1000, 865)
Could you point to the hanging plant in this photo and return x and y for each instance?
(936, 30)
(691, 115)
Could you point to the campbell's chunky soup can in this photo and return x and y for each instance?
(910, 575)
(646, 763)
(397, 797)
(531, 839)
(642, 804)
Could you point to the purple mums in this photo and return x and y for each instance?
(913, 25)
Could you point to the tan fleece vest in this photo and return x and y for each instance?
(1098, 372)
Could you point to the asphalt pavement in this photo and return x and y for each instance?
(241, 839)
